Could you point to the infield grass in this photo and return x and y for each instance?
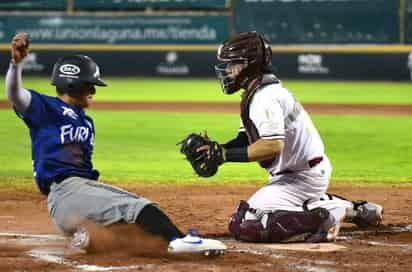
(141, 147)
(209, 90)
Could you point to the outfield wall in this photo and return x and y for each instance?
(199, 62)
(282, 21)
(319, 39)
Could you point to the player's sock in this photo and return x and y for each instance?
(154, 221)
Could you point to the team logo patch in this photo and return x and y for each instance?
(69, 112)
(69, 69)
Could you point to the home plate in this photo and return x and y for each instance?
(321, 247)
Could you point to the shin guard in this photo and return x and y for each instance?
(281, 225)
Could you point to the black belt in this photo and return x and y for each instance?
(58, 179)
(315, 161)
(312, 163)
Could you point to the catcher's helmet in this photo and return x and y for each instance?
(75, 74)
(251, 52)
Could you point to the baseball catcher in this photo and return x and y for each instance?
(62, 138)
(277, 133)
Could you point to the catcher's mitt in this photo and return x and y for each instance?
(206, 160)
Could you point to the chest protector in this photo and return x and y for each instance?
(247, 96)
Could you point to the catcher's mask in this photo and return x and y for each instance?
(76, 75)
(243, 57)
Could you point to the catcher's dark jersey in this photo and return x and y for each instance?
(62, 140)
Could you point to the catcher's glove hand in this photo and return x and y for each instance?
(204, 155)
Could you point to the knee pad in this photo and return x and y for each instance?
(246, 230)
(237, 218)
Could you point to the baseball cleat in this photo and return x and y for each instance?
(213, 252)
(195, 244)
(368, 214)
(80, 239)
(323, 236)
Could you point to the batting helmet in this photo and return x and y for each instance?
(75, 74)
(251, 52)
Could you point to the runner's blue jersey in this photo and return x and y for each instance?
(62, 140)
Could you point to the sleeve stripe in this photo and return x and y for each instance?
(273, 137)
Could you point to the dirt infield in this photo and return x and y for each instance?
(387, 248)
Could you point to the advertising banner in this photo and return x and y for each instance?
(33, 5)
(345, 66)
(117, 30)
(200, 64)
(142, 4)
(408, 21)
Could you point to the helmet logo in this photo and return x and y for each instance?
(69, 69)
(97, 73)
